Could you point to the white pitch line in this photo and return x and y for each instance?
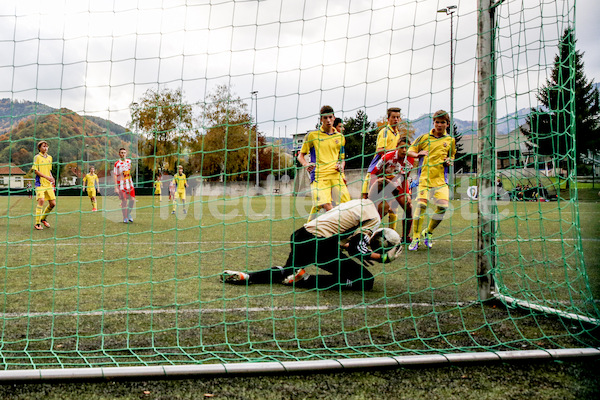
(271, 241)
(249, 309)
(238, 309)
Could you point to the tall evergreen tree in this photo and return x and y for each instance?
(460, 160)
(361, 138)
(569, 101)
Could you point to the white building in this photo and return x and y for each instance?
(298, 140)
(12, 177)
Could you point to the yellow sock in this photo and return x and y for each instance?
(436, 219)
(38, 214)
(46, 211)
(418, 221)
(94, 204)
(392, 218)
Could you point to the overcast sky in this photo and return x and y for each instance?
(98, 56)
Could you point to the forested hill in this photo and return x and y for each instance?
(71, 137)
(12, 112)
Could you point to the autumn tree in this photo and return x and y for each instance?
(21, 157)
(165, 123)
(228, 147)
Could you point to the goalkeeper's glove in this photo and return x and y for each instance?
(359, 246)
(391, 254)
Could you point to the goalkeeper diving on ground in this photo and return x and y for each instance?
(343, 242)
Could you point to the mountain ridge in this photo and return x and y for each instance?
(72, 138)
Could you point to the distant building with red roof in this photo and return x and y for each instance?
(12, 176)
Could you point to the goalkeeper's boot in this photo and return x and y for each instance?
(296, 277)
(414, 245)
(46, 223)
(427, 240)
(39, 227)
(235, 277)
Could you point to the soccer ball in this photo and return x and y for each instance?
(384, 238)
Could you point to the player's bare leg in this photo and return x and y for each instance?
(123, 197)
(130, 208)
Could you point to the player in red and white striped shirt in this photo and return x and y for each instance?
(395, 166)
(124, 185)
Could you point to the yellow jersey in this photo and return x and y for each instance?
(42, 164)
(180, 181)
(157, 187)
(326, 150)
(432, 172)
(387, 138)
(91, 180)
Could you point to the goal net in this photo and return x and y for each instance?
(228, 90)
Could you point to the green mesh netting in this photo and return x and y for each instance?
(213, 86)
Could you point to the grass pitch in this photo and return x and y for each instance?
(152, 253)
(92, 291)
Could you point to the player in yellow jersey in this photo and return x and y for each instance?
(44, 189)
(387, 140)
(157, 187)
(180, 182)
(90, 182)
(435, 151)
(325, 165)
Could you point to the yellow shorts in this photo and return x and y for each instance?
(180, 194)
(45, 193)
(157, 191)
(433, 193)
(91, 192)
(322, 190)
